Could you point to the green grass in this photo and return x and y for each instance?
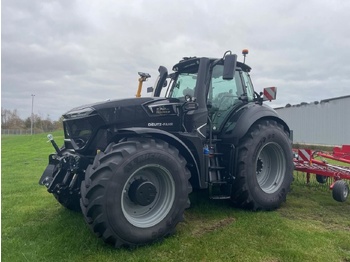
(310, 226)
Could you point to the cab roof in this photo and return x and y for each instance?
(190, 62)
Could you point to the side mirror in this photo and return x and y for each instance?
(229, 67)
(189, 106)
(269, 93)
(163, 74)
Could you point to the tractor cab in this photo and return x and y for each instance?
(217, 86)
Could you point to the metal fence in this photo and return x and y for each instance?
(20, 131)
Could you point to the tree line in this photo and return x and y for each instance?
(11, 120)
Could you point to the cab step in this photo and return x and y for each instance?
(219, 190)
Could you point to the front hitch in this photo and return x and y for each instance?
(60, 170)
(63, 169)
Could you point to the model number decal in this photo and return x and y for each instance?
(160, 124)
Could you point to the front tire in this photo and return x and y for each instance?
(264, 167)
(71, 202)
(135, 192)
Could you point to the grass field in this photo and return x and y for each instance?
(310, 226)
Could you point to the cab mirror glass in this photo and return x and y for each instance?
(229, 67)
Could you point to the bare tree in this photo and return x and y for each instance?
(11, 120)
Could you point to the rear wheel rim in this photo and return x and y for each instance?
(271, 167)
(145, 216)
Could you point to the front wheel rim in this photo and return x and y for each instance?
(145, 216)
(271, 167)
(346, 192)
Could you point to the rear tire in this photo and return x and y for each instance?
(135, 192)
(264, 167)
(340, 191)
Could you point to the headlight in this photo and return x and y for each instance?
(79, 112)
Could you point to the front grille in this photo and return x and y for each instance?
(79, 131)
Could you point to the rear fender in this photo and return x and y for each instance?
(239, 123)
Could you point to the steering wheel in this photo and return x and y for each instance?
(188, 94)
(224, 100)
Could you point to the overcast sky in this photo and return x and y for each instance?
(73, 52)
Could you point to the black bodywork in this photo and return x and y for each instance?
(182, 122)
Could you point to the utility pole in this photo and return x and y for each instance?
(32, 118)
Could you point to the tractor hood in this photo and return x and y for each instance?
(82, 110)
(83, 124)
(126, 112)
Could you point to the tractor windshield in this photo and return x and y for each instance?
(184, 86)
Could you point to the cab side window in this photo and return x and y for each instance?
(248, 86)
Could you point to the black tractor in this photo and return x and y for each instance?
(129, 165)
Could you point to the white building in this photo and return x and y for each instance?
(324, 123)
